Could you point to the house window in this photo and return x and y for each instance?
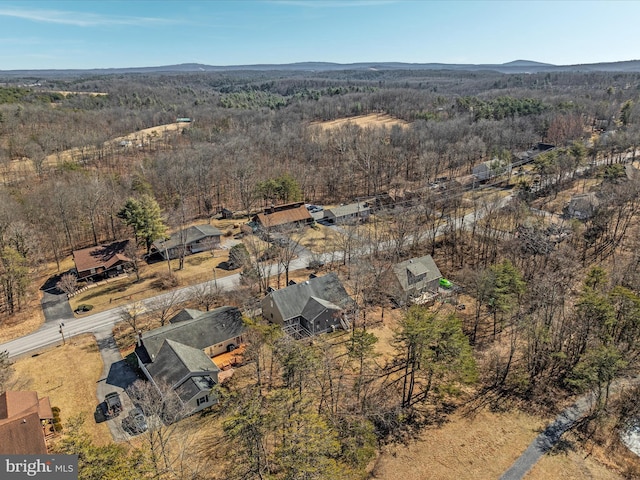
(202, 400)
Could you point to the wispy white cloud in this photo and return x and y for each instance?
(332, 3)
(80, 19)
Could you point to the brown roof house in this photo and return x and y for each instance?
(25, 420)
(311, 307)
(102, 261)
(282, 215)
(198, 238)
(179, 354)
(415, 280)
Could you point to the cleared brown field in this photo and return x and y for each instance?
(371, 120)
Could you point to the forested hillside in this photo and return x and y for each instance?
(552, 299)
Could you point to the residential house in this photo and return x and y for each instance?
(283, 215)
(582, 206)
(317, 305)
(25, 422)
(103, 261)
(522, 158)
(415, 280)
(352, 212)
(179, 354)
(491, 168)
(198, 238)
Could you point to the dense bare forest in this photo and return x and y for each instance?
(556, 308)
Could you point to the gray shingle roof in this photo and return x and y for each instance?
(417, 266)
(350, 209)
(208, 328)
(190, 235)
(176, 362)
(185, 314)
(316, 306)
(292, 300)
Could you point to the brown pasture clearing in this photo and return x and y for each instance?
(48, 374)
(24, 167)
(66, 93)
(142, 137)
(372, 120)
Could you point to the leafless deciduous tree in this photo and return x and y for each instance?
(131, 314)
(68, 283)
(164, 306)
(6, 370)
(170, 447)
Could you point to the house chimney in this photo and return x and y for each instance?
(139, 338)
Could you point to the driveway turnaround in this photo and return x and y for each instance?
(55, 304)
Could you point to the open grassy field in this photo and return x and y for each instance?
(49, 374)
(370, 120)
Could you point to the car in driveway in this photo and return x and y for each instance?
(112, 405)
(135, 422)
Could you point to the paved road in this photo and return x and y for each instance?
(563, 422)
(547, 439)
(49, 333)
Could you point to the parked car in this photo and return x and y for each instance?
(112, 405)
(135, 422)
(444, 283)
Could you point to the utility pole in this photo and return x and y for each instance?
(61, 332)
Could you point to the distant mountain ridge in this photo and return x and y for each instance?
(516, 66)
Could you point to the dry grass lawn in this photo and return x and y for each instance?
(370, 120)
(121, 291)
(317, 240)
(571, 465)
(478, 447)
(75, 394)
(30, 318)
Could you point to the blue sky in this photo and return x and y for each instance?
(104, 34)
